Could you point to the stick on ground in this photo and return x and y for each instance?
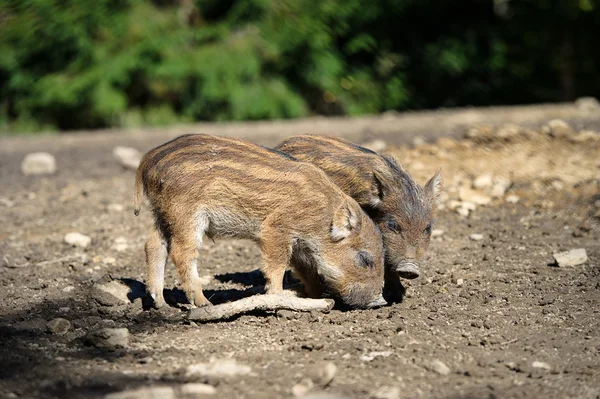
(259, 302)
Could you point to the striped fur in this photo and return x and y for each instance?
(223, 187)
(401, 208)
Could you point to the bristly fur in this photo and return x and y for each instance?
(223, 187)
(401, 207)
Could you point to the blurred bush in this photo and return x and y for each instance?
(71, 64)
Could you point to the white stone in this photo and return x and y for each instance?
(196, 389)
(108, 338)
(68, 289)
(127, 156)
(557, 128)
(367, 357)
(454, 205)
(78, 239)
(158, 392)
(437, 233)
(460, 282)
(386, 392)
(483, 182)
(474, 196)
(115, 207)
(116, 289)
(512, 199)
(476, 237)
(540, 365)
(573, 257)
(439, 367)
(120, 244)
(38, 163)
(217, 368)
(301, 389)
(464, 212)
(323, 373)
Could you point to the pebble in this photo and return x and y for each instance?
(540, 365)
(464, 212)
(323, 373)
(144, 393)
(512, 199)
(587, 104)
(439, 367)
(108, 338)
(500, 187)
(474, 196)
(127, 157)
(38, 163)
(197, 389)
(78, 239)
(557, 128)
(386, 392)
(115, 207)
(68, 289)
(483, 182)
(58, 326)
(217, 368)
(460, 282)
(120, 244)
(437, 233)
(109, 292)
(372, 355)
(301, 389)
(476, 237)
(573, 257)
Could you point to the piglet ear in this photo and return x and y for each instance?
(377, 192)
(433, 188)
(344, 221)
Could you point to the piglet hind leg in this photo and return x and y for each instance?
(185, 257)
(156, 261)
(276, 252)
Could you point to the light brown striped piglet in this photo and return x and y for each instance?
(224, 187)
(401, 208)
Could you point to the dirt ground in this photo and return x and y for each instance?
(488, 318)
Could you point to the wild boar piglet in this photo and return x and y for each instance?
(401, 208)
(200, 185)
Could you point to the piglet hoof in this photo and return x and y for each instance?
(152, 301)
(202, 303)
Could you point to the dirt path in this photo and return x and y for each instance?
(488, 318)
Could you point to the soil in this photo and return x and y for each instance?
(504, 319)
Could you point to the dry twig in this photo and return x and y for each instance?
(259, 302)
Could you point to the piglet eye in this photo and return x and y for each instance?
(393, 225)
(428, 229)
(364, 259)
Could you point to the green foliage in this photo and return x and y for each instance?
(68, 64)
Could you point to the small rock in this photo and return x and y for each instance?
(557, 128)
(483, 182)
(454, 205)
(127, 157)
(217, 368)
(38, 163)
(115, 207)
(58, 326)
(585, 135)
(386, 392)
(439, 367)
(540, 365)
(78, 239)
(437, 233)
(474, 196)
(372, 355)
(197, 389)
(287, 314)
(464, 212)
(108, 338)
(322, 373)
(144, 393)
(573, 257)
(120, 244)
(376, 145)
(512, 199)
(460, 282)
(302, 388)
(68, 289)
(109, 292)
(499, 187)
(587, 104)
(476, 237)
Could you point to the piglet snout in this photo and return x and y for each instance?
(408, 269)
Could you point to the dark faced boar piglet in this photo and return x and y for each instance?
(224, 187)
(401, 208)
